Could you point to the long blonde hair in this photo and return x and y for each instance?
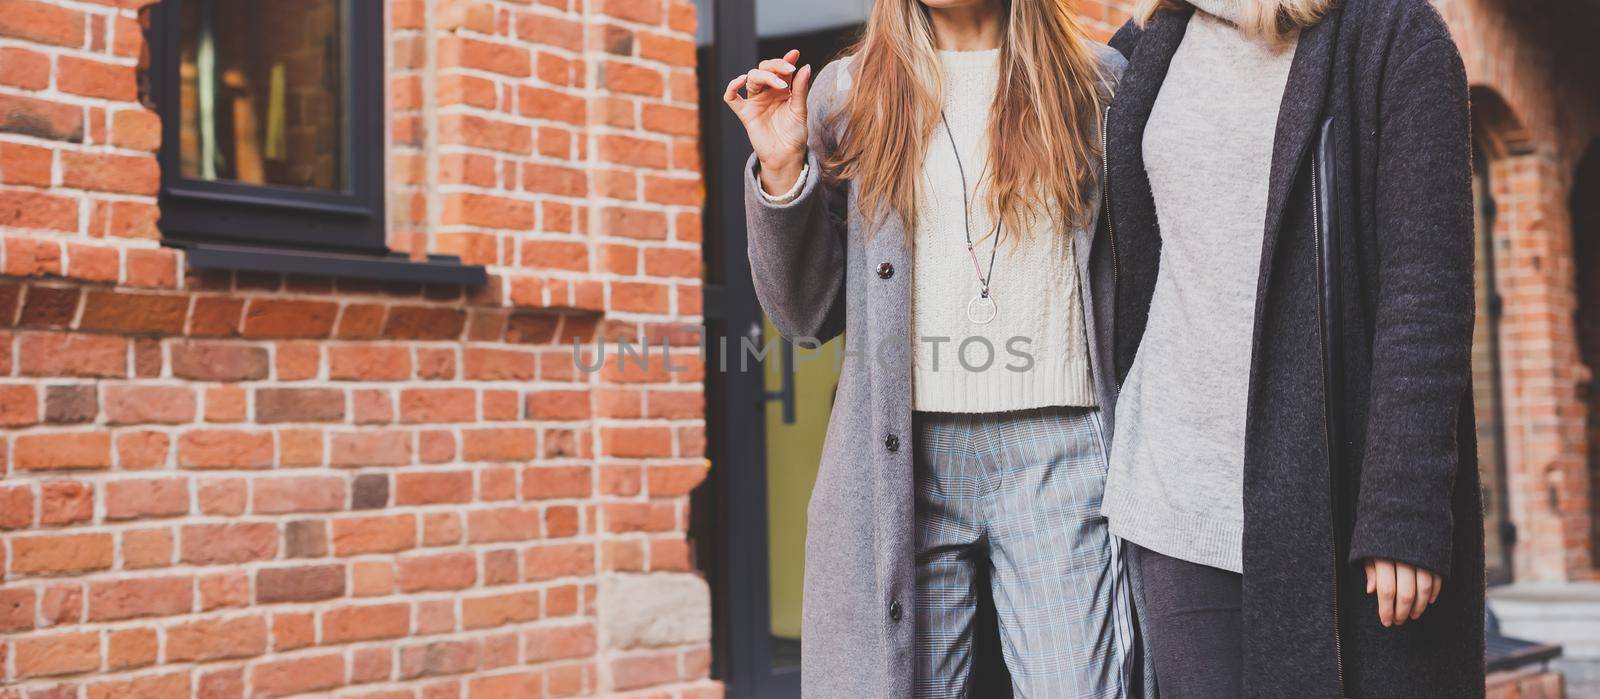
(1043, 127)
(1270, 19)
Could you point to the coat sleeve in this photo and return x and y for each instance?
(797, 246)
(1422, 323)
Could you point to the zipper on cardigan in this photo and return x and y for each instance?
(1333, 523)
(1111, 227)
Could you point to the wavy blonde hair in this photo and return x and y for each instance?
(1043, 126)
(1270, 19)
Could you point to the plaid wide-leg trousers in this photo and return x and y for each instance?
(1018, 493)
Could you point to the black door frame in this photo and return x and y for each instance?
(730, 509)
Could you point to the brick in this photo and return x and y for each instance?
(559, 642)
(302, 494)
(374, 535)
(65, 502)
(305, 539)
(522, 684)
(298, 361)
(134, 404)
(116, 312)
(284, 318)
(299, 584)
(131, 648)
(95, 263)
(58, 654)
(156, 497)
(114, 600)
(41, 22)
(215, 316)
(548, 482)
(502, 524)
(225, 449)
(19, 405)
(16, 506)
(210, 544)
(64, 354)
(641, 11)
(557, 561)
(203, 361)
(506, 59)
(370, 449)
(551, 104)
(424, 323)
(297, 676)
(62, 451)
(49, 554)
(146, 548)
(90, 78)
(504, 444)
(449, 571)
(136, 129)
(49, 307)
(627, 78)
(21, 163)
(40, 118)
(369, 363)
(633, 672)
(107, 172)
(24, 68)
(16, 609)
(217, 639)
(371, 491)
(499, 610)
(62, 604)
(366, 623)
(142, 450)
(143, 687)
(275, 405)
(436, 405)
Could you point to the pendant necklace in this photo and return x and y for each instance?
(981, 310)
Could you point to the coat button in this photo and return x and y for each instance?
(892, 443)
(894, 610)
(885, 270)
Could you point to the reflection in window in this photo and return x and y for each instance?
(262, 99)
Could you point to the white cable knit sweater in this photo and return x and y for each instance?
(1034, 353)
(1034, 285)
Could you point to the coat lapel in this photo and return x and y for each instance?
(1135, 238)
(1298, 119)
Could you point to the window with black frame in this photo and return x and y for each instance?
(273, 134)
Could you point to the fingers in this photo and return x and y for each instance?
(1386, 584)
(760, 80)
(1372, 576)
(731, 95)
(1405, 592)
(1438, 585)
(777, 66)
(802, 88)
(1425, 593)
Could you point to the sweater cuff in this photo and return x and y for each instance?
(794, 191)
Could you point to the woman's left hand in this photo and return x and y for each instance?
(1404, 591)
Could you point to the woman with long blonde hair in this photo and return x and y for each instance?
(1289, 193)
(933, 197)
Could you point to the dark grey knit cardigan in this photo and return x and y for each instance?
(1390, 77)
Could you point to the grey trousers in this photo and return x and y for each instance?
(1193, 623)
(1014, 498)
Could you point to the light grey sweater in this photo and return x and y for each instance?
(1177, 460)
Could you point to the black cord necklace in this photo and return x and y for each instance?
(981, 310)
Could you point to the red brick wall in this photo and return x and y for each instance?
(230, 485)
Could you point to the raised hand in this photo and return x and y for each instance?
(773, 112)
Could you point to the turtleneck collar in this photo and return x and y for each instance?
(1228, 10)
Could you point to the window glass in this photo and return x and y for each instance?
(262, 94)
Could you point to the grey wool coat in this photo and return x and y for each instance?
(1380, 460)
(819, 270)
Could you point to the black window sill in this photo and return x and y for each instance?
(394, 266)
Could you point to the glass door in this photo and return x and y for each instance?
(767, 401)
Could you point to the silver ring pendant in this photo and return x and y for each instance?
(981, 310)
